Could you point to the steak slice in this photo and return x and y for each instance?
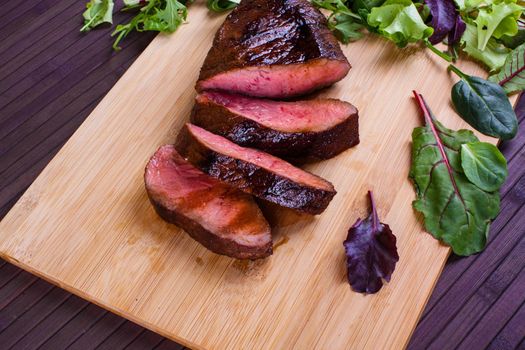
(275, 49)
(255, 172)
(220, 217)
(320, 128)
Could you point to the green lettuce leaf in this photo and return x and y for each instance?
(497, 20)
(494, 54)
(399, 21)
(469, 5)
(97, 12)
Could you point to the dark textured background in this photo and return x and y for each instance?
(52, 76)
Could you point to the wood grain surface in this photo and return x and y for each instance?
(33, 285)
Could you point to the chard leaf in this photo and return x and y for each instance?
(484, 105)
(371, 253)
(455, 210)
(484, 165)
(97, 12)
(497, 20)
(493, 55)
(443, 20)
(512, 76)
(399, 21)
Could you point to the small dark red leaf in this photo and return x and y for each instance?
(454, 36)
(443, 20)
(371, 253)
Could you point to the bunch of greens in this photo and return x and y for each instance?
(152, 15)
(457, 179)
(486, 30)
(489, 31)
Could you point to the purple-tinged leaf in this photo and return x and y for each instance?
(457, 32)
(443, 18)
(371, 253)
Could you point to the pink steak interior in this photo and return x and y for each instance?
(261, 159)
(300, 116)
(279, 81)
(220, 209)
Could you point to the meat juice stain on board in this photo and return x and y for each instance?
(255, 269)
(280, 243)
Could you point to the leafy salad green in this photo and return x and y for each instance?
(151, 15)
(479, 28)
(457, 179)
(486, 30)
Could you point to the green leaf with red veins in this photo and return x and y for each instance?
(512, 76)
(455, 210)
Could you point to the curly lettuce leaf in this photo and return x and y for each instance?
(497, 20)
(371, 253)
(494, 54)
(399, 21)
(97, 12)
(469, 5)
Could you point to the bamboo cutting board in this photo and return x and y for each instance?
(86, 224)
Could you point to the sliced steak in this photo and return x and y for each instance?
(273, 48)
(320, 128)
(255, 172)
(220, 217)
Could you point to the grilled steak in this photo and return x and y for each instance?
(255, 172)
(220, 217)
(275, 49)
(319, 128)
